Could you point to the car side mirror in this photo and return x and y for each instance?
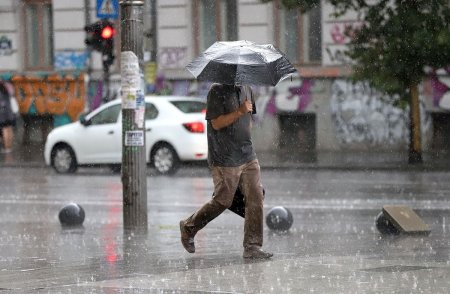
(84, 121)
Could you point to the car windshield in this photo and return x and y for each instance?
(190, 106)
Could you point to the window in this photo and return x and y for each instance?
(290, 34)
(313, 31)
(150, 111)
(215, 20)
(107, 116)
(38, 34)
(298, 35)
(190, 106)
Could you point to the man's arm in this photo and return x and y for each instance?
(225, 120)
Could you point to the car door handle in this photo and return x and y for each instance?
(110, 132)
(148, 129)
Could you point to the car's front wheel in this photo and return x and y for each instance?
(64, 160)
(165, 159)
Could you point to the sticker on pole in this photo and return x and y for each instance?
(134, 138)
(139, 112)
(130, 79)
(139, 117)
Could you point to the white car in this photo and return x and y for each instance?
(175, 130)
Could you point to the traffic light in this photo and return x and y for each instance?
(100, 37)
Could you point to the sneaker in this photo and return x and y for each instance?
(255, 252)
(186, 239)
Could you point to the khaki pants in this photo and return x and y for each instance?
(226, 181)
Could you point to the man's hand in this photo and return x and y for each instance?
(246, 107)
(227, 119)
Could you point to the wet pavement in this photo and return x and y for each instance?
(31, 155)
(332, 247)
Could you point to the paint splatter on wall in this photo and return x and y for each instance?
(52, 95)
(69, 60)
(5, 46)
(441, 89)
(363, 116)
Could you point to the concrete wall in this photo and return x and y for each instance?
(68, 24)
(69, 19)
(9, 36)
(175, 41)
(346, 116)
(255, 21)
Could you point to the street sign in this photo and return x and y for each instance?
(108, 9)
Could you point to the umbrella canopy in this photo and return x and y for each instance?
(241, 62)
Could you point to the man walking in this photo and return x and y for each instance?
(233, 164)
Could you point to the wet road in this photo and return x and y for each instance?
(332, 247)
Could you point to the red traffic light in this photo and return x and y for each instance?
(107, 32)
(100, 37)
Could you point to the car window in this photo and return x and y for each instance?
(106, 116)
(190, 106)
(150, 111)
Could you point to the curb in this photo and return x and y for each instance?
(379, 167)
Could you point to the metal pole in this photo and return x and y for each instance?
(134, 180)
(87, 21)
(154, 31)
(106, 80)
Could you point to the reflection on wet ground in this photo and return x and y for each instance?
(332, 247)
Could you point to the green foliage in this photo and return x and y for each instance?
(303, 5)
(397, 41)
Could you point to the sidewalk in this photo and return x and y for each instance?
(332, 247)
(32, 155)
(29, 155)
(365, 160)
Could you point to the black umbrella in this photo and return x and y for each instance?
(241, 62)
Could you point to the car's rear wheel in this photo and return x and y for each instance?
(165, 159)
(64, 160)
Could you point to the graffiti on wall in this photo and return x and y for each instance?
(441, 89)
(5, 46)
(54, 95)
(363, 116)
(295, 96)
(343, 32)
(288, 96)
(337, 34)
(337, 55)
(69, 60)
(172, 57)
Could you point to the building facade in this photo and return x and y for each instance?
(42, 54)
